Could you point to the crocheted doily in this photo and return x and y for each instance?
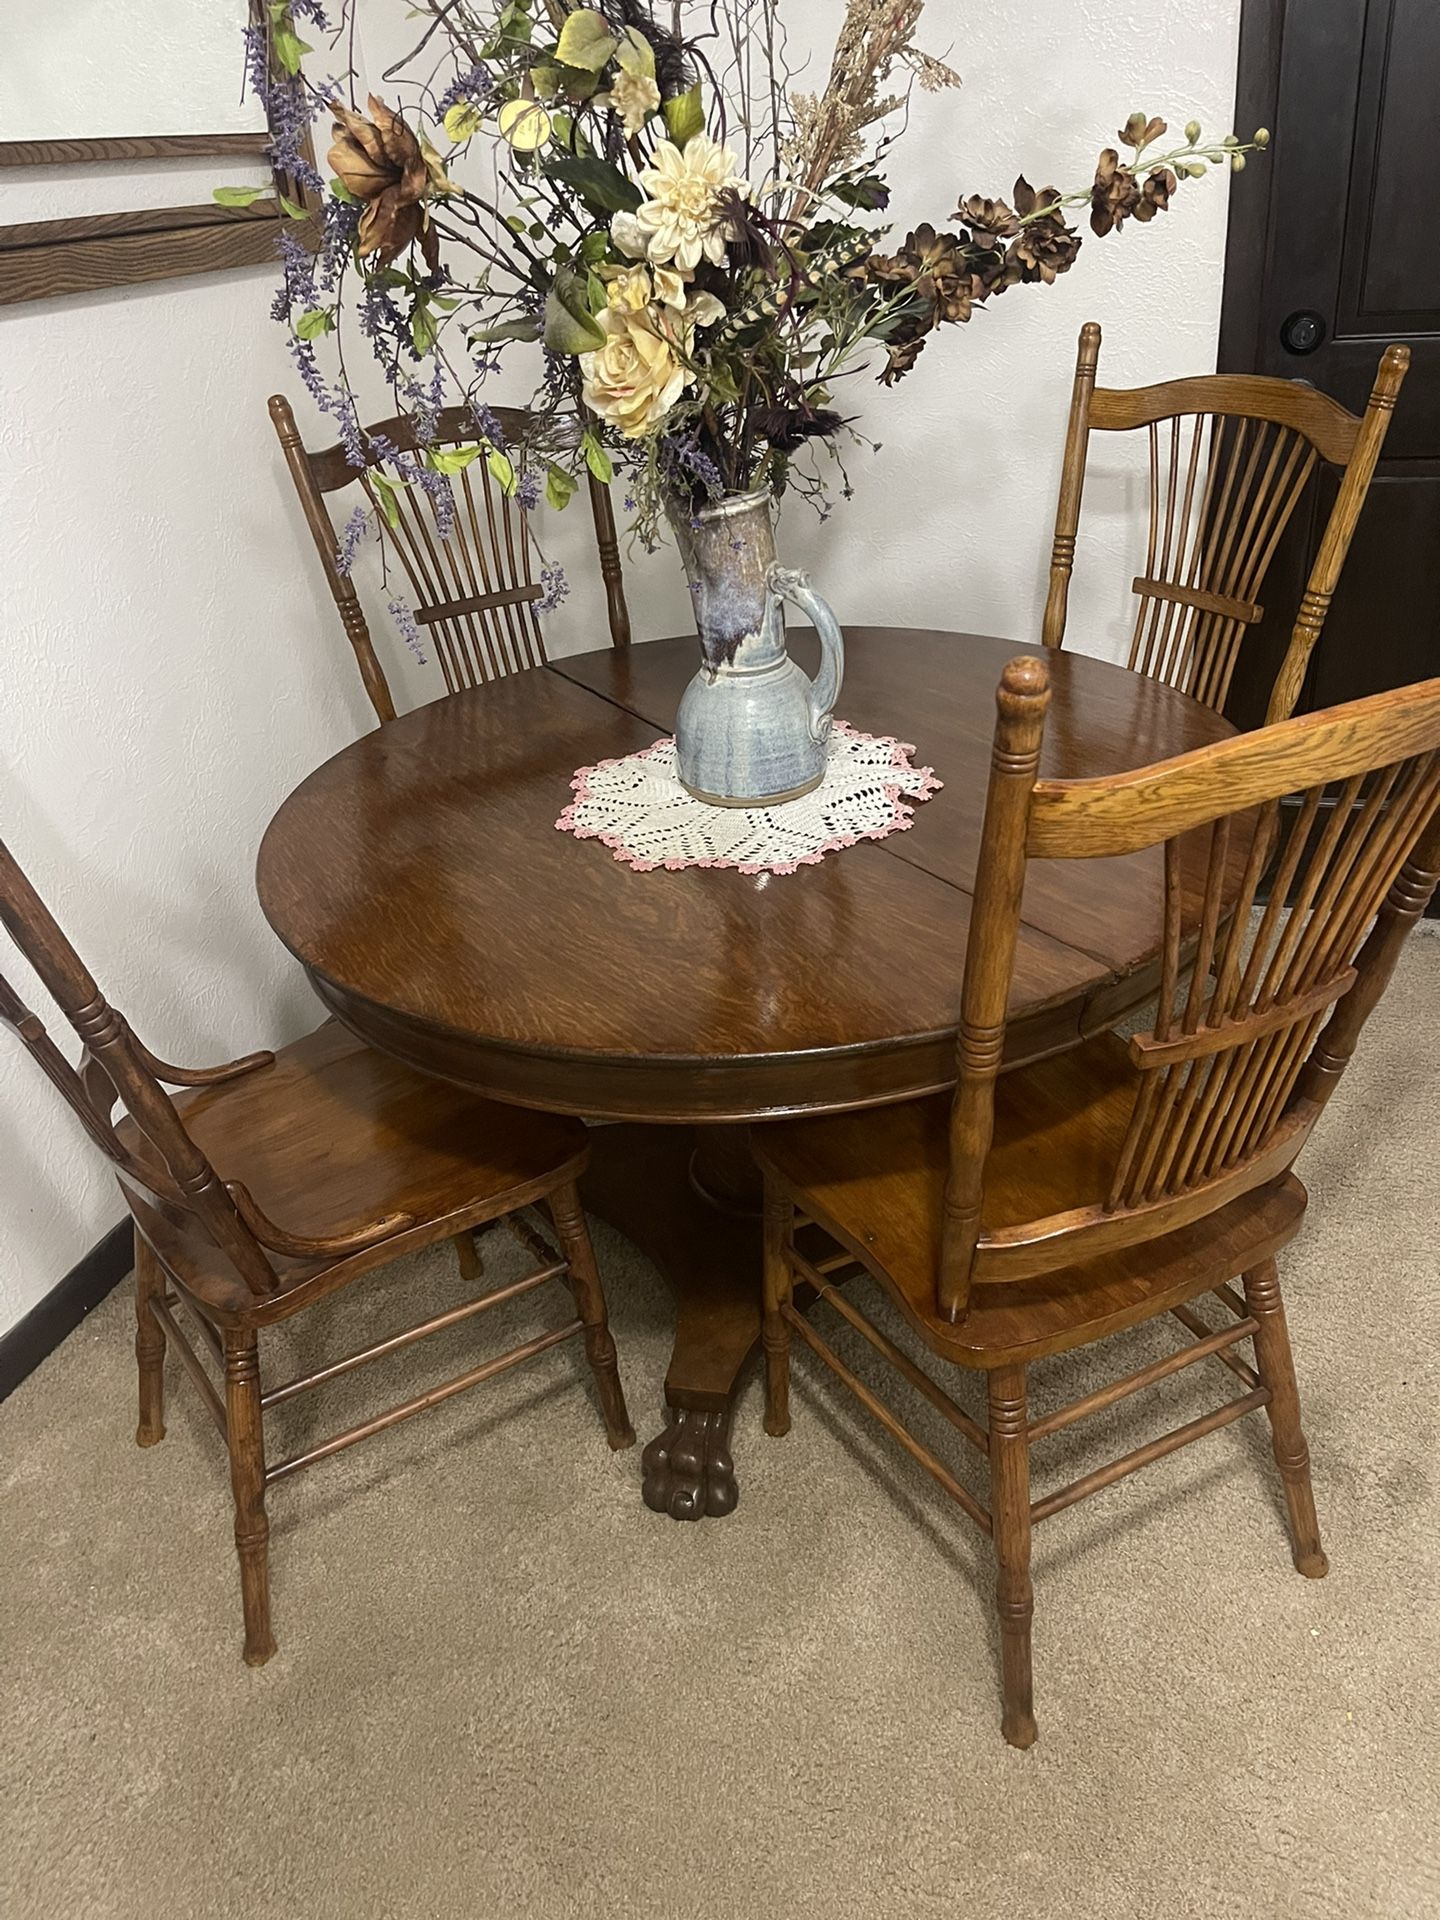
(638, 808)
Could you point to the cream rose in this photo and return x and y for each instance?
(636, 377)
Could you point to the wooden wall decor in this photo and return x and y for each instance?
(49, 259)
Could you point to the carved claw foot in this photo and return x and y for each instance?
(689, 1473)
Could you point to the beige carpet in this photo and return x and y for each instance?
(504, 1688)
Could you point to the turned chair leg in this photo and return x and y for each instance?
(1010, 1517)
(1276, 1365)
(472, 1267)
(569, 1218)
(246, 1436)
(774, 1328)
(149, 1346)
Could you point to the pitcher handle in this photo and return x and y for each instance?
(787, 584)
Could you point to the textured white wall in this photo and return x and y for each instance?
(167, 681)
(173, 667)
(92, 69)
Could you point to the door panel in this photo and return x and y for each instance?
(1330, 226)
(1382, 631)
(1387, 281)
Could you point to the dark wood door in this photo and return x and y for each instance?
(1327, 263)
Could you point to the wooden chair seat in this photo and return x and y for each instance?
(334, 1137)
(880, 1173)
(875, 1182)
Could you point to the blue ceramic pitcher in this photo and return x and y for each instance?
(753, 730)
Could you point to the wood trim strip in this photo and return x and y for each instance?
(1257, 100)
(102, 226)
(90, 266)
(140, 146)
(1243, 610)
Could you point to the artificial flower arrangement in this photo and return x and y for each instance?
(695, 252)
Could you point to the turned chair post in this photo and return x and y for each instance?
(245, 1438)
(1407, 900)
(149, 1345)
(1022, 702)
(602, 509)
(778, 1288)
(1292, 1456)
(1072, 486)
(322, 532)
(1339, 533)
(569, 1218)
(1010, 1521)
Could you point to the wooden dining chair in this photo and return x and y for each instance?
(265, 1186)
(1231, 456)
(474, 587)
(1051, 1207)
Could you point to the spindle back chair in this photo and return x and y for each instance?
(1047, 1208)
(368, 1162)
(1231, 456)
(469, 560)
(1222, 1101)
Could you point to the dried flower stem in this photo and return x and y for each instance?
(875, 37)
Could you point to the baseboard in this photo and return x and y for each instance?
(36, 1337)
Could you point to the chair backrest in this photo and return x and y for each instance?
(1231, 456)
(166, 1177)
(465, 548)
(1339, 814)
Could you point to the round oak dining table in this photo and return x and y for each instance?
(420, 879)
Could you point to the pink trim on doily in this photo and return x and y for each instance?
(901, 820)
(580, 787)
